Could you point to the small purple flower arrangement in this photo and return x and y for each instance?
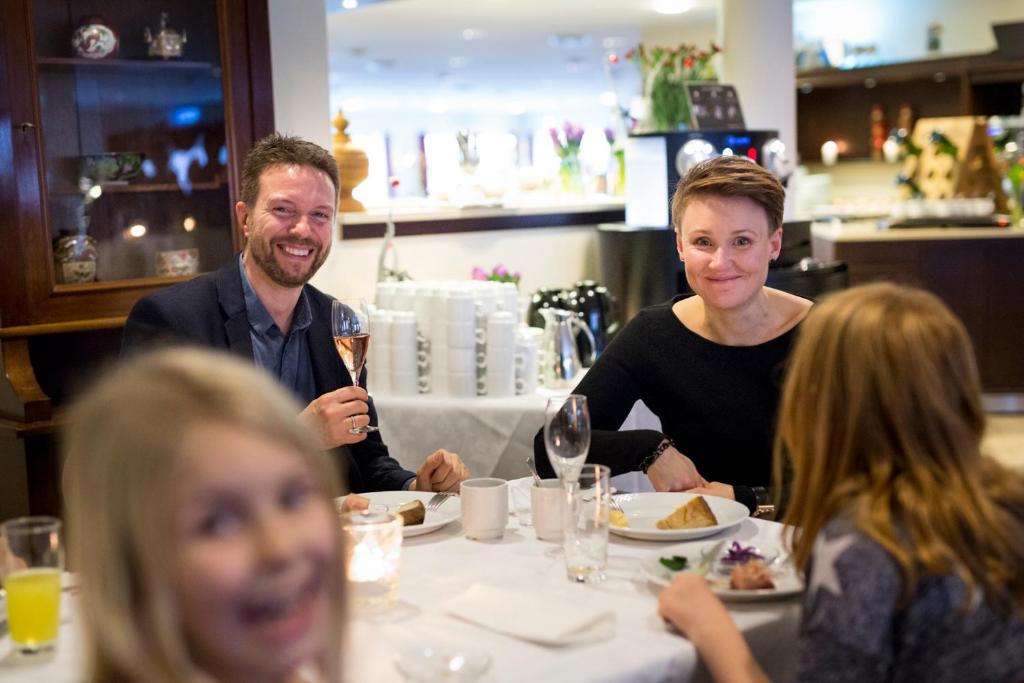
(498, 274)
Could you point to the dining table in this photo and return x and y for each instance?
(439, 569)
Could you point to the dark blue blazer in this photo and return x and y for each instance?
(209, 311)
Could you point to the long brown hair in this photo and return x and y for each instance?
(881, 421)
(123, 444)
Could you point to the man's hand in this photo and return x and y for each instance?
(441, 471)
(354, 503)
(673, 471)
(715, 488)
(335, 413)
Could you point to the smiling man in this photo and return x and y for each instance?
(261, 306)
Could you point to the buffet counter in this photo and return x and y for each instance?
(429, 220)
(978, 272)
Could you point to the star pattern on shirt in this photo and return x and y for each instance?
(823, 574)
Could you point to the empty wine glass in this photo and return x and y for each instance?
(567, 435)
(350, 325)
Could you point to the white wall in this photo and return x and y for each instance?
(298, 61)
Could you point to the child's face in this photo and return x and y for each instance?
(253, 549)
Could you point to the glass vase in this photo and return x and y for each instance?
(570, 173)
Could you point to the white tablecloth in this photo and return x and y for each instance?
(440, 565)
(493, 436)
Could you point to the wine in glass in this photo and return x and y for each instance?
(567, 435)
(350, 324)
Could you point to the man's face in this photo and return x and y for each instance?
(289, 228)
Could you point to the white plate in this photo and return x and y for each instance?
(450, 510)
(645, 509)
(787, 581)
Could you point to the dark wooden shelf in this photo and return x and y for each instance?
(127, 64)
(978, 68)
(110, 188)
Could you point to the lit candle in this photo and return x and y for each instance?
(372, 554)
(829, 152)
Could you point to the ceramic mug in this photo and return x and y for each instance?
(484, 508)
(547, 502)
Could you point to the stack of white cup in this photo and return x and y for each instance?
(501, 349)
(378, 358)
(404, 377)
(527, 358)
(438, 339)
(461, 343)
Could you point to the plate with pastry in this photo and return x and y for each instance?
(674, 516)
(411, 507)
(738, 572)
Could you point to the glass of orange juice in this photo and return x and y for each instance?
(31, 562)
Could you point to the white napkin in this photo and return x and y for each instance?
(539, 618)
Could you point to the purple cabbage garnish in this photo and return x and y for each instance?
(739, 554)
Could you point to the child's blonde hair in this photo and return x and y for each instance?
(881, 420)
(123, 442)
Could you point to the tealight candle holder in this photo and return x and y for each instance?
(372, 554)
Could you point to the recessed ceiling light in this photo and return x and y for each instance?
(569, 41)
(671, 6)
(473, 34)
(349, 4)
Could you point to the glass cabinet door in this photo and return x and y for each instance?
(134, 141)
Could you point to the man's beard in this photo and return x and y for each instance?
(269, 265)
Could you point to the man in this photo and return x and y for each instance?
(261, 307)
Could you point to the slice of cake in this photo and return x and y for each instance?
(693, 515)
(412, 513)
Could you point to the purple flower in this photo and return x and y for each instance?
(609, 135)
(479, 273)
(500, 270)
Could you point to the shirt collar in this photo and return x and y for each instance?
(260, 319)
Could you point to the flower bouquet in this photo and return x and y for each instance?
(664, 71)
(567, 147)
(498, 274)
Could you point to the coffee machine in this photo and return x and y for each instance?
(656, 161)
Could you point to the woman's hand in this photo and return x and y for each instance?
(715, 488)
(673, 471)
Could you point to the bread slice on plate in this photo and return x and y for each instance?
(692, 515)
(412, 513)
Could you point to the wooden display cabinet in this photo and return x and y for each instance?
(193, 117)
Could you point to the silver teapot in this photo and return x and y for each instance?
(561, 363)
(167, 42)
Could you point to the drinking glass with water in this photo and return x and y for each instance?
(586, 525)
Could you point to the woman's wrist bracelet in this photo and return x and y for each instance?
(665, 444)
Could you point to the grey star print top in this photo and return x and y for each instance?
(853, 630)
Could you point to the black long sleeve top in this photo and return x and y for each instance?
(717, 403)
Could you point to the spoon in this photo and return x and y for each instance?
(533, 470)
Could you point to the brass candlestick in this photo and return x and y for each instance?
(352, 164)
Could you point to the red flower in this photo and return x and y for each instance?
(688, 62)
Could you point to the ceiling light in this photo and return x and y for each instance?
(189, 224)
(349, 4)
(671, 6)
(473, 34)
(135, 231)
(569, 41)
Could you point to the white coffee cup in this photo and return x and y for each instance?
(547, 500)
(484, 508)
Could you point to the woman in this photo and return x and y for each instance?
(709, 366)
(911, 539)
(203, 527)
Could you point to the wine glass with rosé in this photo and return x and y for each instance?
(350, 325)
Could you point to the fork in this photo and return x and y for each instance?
(438, 500)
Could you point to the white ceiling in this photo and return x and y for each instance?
(411, 54)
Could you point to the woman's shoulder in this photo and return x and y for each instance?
(789, 309)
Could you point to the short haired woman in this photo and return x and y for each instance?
(909, 538)
(710, 365)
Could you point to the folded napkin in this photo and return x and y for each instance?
(538, 618)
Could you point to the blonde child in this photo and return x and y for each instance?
(203, 528)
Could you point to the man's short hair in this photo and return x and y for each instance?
(731, 176)
(278, 149)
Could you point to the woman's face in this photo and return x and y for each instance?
(727, 244)
(253, 553)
